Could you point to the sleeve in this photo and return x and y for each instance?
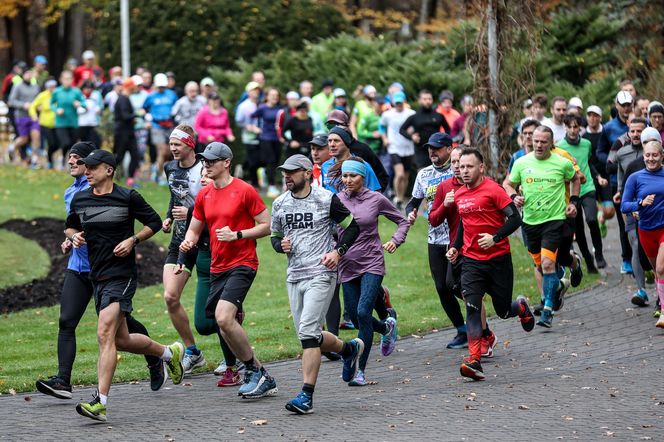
(603, 147)
(81, 99)
(176, 110)
(382, 125)
(258, 113)
(458, 241)
(629, 201)
(73, 221)
(54, 101)
(12, 101)
(362, 129)
(512, 223)
(569, 170)
(500, 197)
(444, 124)
(279, 123)
(147, 104)
(35, 104)
(515, 174)
(438, 212)
(403, 130)
(413, 204)
(340, 214)
(143, 212)
(199, 211)
(377, 168)
(255, 204)
(171, 203)
(276, 228)
(388, 210)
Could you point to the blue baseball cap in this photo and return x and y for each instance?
(398, 97)
(41, 59)
(438, 140)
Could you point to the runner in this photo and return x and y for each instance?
(184, 181)
(362, 268)
(234, 211)
(75, 297)
(20, 98)
(488, 218)
(103, 217)
(65, 102)
(158, 105)
(543, 178)
(644, 194)
(302, 222)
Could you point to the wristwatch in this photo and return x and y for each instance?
(239, 234)
(136, 240)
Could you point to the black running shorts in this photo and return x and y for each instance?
(231, 286)
(114, 290)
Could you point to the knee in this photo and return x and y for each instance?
(172, 299)
(225, 321)
(67, 324)
(105, 337)
(364, 313)
(548, 265)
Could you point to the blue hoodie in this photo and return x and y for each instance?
(78, 260)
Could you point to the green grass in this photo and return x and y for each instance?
(14, 249)
(29, 337)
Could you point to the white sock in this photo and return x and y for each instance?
(167, 355)
(103, 398)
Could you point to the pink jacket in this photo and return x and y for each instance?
(218, 126)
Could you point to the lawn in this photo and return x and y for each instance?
(30, 336)
(14, 249)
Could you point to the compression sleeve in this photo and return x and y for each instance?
(348, 237)
(275, 239)
(413, 204)
(403, 130)
(458, 241)
(512, 223)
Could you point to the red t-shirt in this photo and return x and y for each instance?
(481, 212)
(440, 213)
(234, 206)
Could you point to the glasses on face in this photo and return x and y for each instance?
(210, 163)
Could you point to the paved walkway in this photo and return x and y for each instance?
(596, 374)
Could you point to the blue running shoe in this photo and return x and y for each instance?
(257, 384)
(640, 298)
(626, 268)
(350, 364)
(459, 341)
(388, 342)
(301, 404)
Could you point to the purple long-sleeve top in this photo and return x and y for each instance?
(366, 253)
(267, 119)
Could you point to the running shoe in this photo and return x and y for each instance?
(350, 364)
(559, 301)
(625, 268)
(260, 385)
(190, 361)
(230, 378)
(221, 368)
(174, 366)
(386, 297)
(526, 317)
(358, 380)
(650, 276)
(347, 324)
(459, 341)
(301, 404)
(55, 386)
(93, 409)
(590, 266)
(332, 356)
(389, 340)
(487, 344)
(640, 298)
(471, 368)
(537, 310)
(601, 262)
(576, 275)
(158, 375)
(546, 319)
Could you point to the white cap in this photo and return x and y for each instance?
(292, 95)
(624, 97)
(161, 80)
(338, 92)
(306, 100)
(369, 89)
(88, 55)
(650, 134)
(207, 81)
(137, 79)
(576, 102)
(594, 109)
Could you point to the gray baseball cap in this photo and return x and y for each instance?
(296, 162)
(319, 140)
(216, 151)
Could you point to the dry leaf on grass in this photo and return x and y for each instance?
(259, 422)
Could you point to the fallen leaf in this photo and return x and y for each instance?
(187, 384)
(609, 433)
(468, 407)
(259, 422)
(568, 418)
(524, 407)
(27, 398)
(240, 431)
(507, 344)
(409, 422)
(391, 426)
(12, 392)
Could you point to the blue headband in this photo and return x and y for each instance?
(352, 166)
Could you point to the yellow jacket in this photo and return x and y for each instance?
(42, 106)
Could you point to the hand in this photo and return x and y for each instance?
(519, 201)
(416, 138)
(390, 247)
(60, 111)
(186, 245)
(226, 234)
(376, 134)
(78, 239)
(602, 181)
(452, 255)
(26, 106)
(635, 215)
(123, 249)
(166, 225)
(616, 198)
(647, 201)
(76, 103)
(66, 246)
(180, 213)
(449, 198)
(570, 211)
(331, 259)
(412, 217)
(286, 245)
(178, 268)
(486, 241)
(230, 138)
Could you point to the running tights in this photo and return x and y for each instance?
(438, 264)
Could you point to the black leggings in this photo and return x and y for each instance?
(270, 154)
(66, 137)
(438, 264)
(588, 207)
(626, 248)
(74, 300)
(125, 141)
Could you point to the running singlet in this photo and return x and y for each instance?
(308, 223)
(184, 184)
(426, 184)
(481, 211)
(638, 186)
(234, 206)
(543, 184)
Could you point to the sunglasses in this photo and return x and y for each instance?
(210, 163)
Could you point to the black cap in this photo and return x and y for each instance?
(83, 148)
(438, 140)
(319, 140)
(98, 156)
(328, 82)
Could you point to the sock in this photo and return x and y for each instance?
(462, 329)
(250, 365)
(660, 290)
(192, 349)
(167, 355)
(550, 283)
(560, 271)
(308, 388)
(486, 332)
(103, 398)
(346, 351)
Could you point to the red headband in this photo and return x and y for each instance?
(184, 137)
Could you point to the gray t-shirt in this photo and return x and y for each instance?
(308, 223)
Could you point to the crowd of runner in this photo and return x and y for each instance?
(333, 167)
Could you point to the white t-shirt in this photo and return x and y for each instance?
(392, 121)
(558, 129)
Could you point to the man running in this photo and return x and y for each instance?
(302, 222)
(543, 178)
(235, 216)
(75, 297)
(103, 217)
(488, 217)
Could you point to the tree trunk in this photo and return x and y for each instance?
(424, 18)
(18, 34)
(76, 32)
